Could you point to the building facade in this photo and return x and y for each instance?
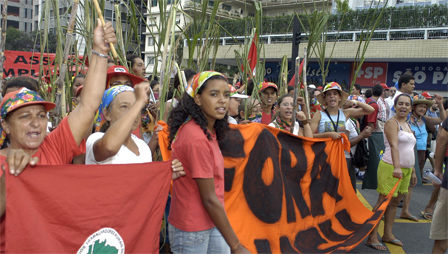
(20, 14)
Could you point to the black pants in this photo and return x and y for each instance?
(351, 172)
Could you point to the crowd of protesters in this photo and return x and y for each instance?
(115, 123)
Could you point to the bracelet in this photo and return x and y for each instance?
(233, 248)
(99, 54)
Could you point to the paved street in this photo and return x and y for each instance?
(414, 235)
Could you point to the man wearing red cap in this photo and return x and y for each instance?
(427, 95)
(268, 96)
(382, 109)
(119, 75)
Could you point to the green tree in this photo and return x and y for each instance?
(27, 41)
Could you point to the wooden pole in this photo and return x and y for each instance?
(296, 91)
(100, 15)
(3, 40)
(305, 85)
(60, 95)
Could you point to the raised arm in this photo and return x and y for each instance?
(367, 132)
(441, 144)
(362, 110)
(82, 116)
(113, 139)
(306, 132)
(442, 117)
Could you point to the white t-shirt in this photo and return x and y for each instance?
(296, 128)
(392, 110)
(232, 120)
(350, 127)
(124, 155)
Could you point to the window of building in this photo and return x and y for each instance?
(151, 60)
(150, 40)
(36, 9)
(153, 3)
(251, 14)
(13, 11)
(152, 21)
(36, 25)
(108, 14)
(12, 23)
(26, 14)
(226, 7)
(169, 2)
(211, 3)
(62, 10)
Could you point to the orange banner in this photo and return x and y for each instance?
(288, 194)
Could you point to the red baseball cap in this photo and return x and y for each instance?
(426, 95)
(117, 70)
(264, 85)
(385, 87)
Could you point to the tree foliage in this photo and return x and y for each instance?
(28, 41)
(393, 18)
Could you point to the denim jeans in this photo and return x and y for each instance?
(209, 241)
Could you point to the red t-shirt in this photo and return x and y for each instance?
(59, 147)
(137, 133)
(266, 118)
(200, 158)
(371, 118)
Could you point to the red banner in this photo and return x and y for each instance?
(86, 209)
(371, 74)
(22, 63)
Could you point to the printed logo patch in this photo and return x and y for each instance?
(119, 70)
(105, 241)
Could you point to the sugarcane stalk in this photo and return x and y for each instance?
(296, 91)
(100, 15)
(305, 85)
(166, 70)
(3, 40)
(60, 95)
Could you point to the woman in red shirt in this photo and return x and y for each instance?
(198, 222)
(24, 119)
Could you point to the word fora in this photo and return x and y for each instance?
(265, 201)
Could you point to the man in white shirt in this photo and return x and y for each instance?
(390, 100)
(406, 84)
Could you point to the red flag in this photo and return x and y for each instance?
(291, 82)
(252, 56)
(81, 209)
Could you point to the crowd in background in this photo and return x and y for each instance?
(113, 117)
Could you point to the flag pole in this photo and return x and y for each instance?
(100, 15)
(296, 91)
(3, 39)
(305, 85)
